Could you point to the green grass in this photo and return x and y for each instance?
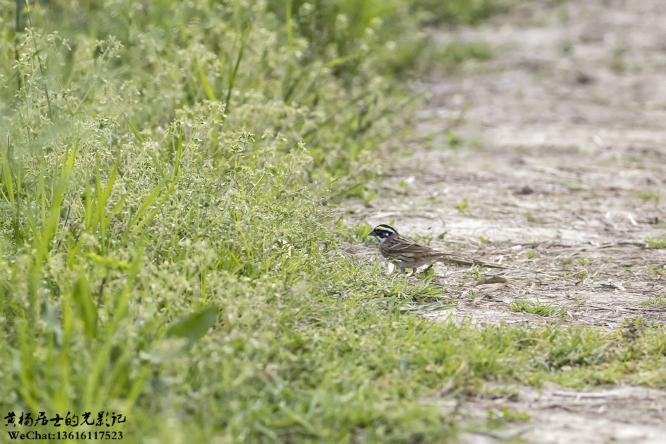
(533, 308)
(656, 302)
(462, 206)
(657, 243)
(649, 196)
(503, 415)
(469, 12)
(457, 53)
(168, 247)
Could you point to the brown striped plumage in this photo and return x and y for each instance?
(406, 253)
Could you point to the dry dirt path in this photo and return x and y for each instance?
(560, 173)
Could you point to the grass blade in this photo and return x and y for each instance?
(85, 307)
(205, 84)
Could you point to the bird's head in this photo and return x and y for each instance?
(383, 232)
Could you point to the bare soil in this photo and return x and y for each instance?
(550, 159)
(617, 415)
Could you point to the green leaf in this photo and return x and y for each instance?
(195, 325)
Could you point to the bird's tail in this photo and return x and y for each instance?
(445, 257)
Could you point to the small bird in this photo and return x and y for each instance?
(406, 253)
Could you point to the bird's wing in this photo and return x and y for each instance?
(409, 246)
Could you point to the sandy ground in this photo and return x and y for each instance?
(560, 174)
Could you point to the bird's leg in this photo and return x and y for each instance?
(402, 270)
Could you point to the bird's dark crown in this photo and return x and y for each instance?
(383, 231)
